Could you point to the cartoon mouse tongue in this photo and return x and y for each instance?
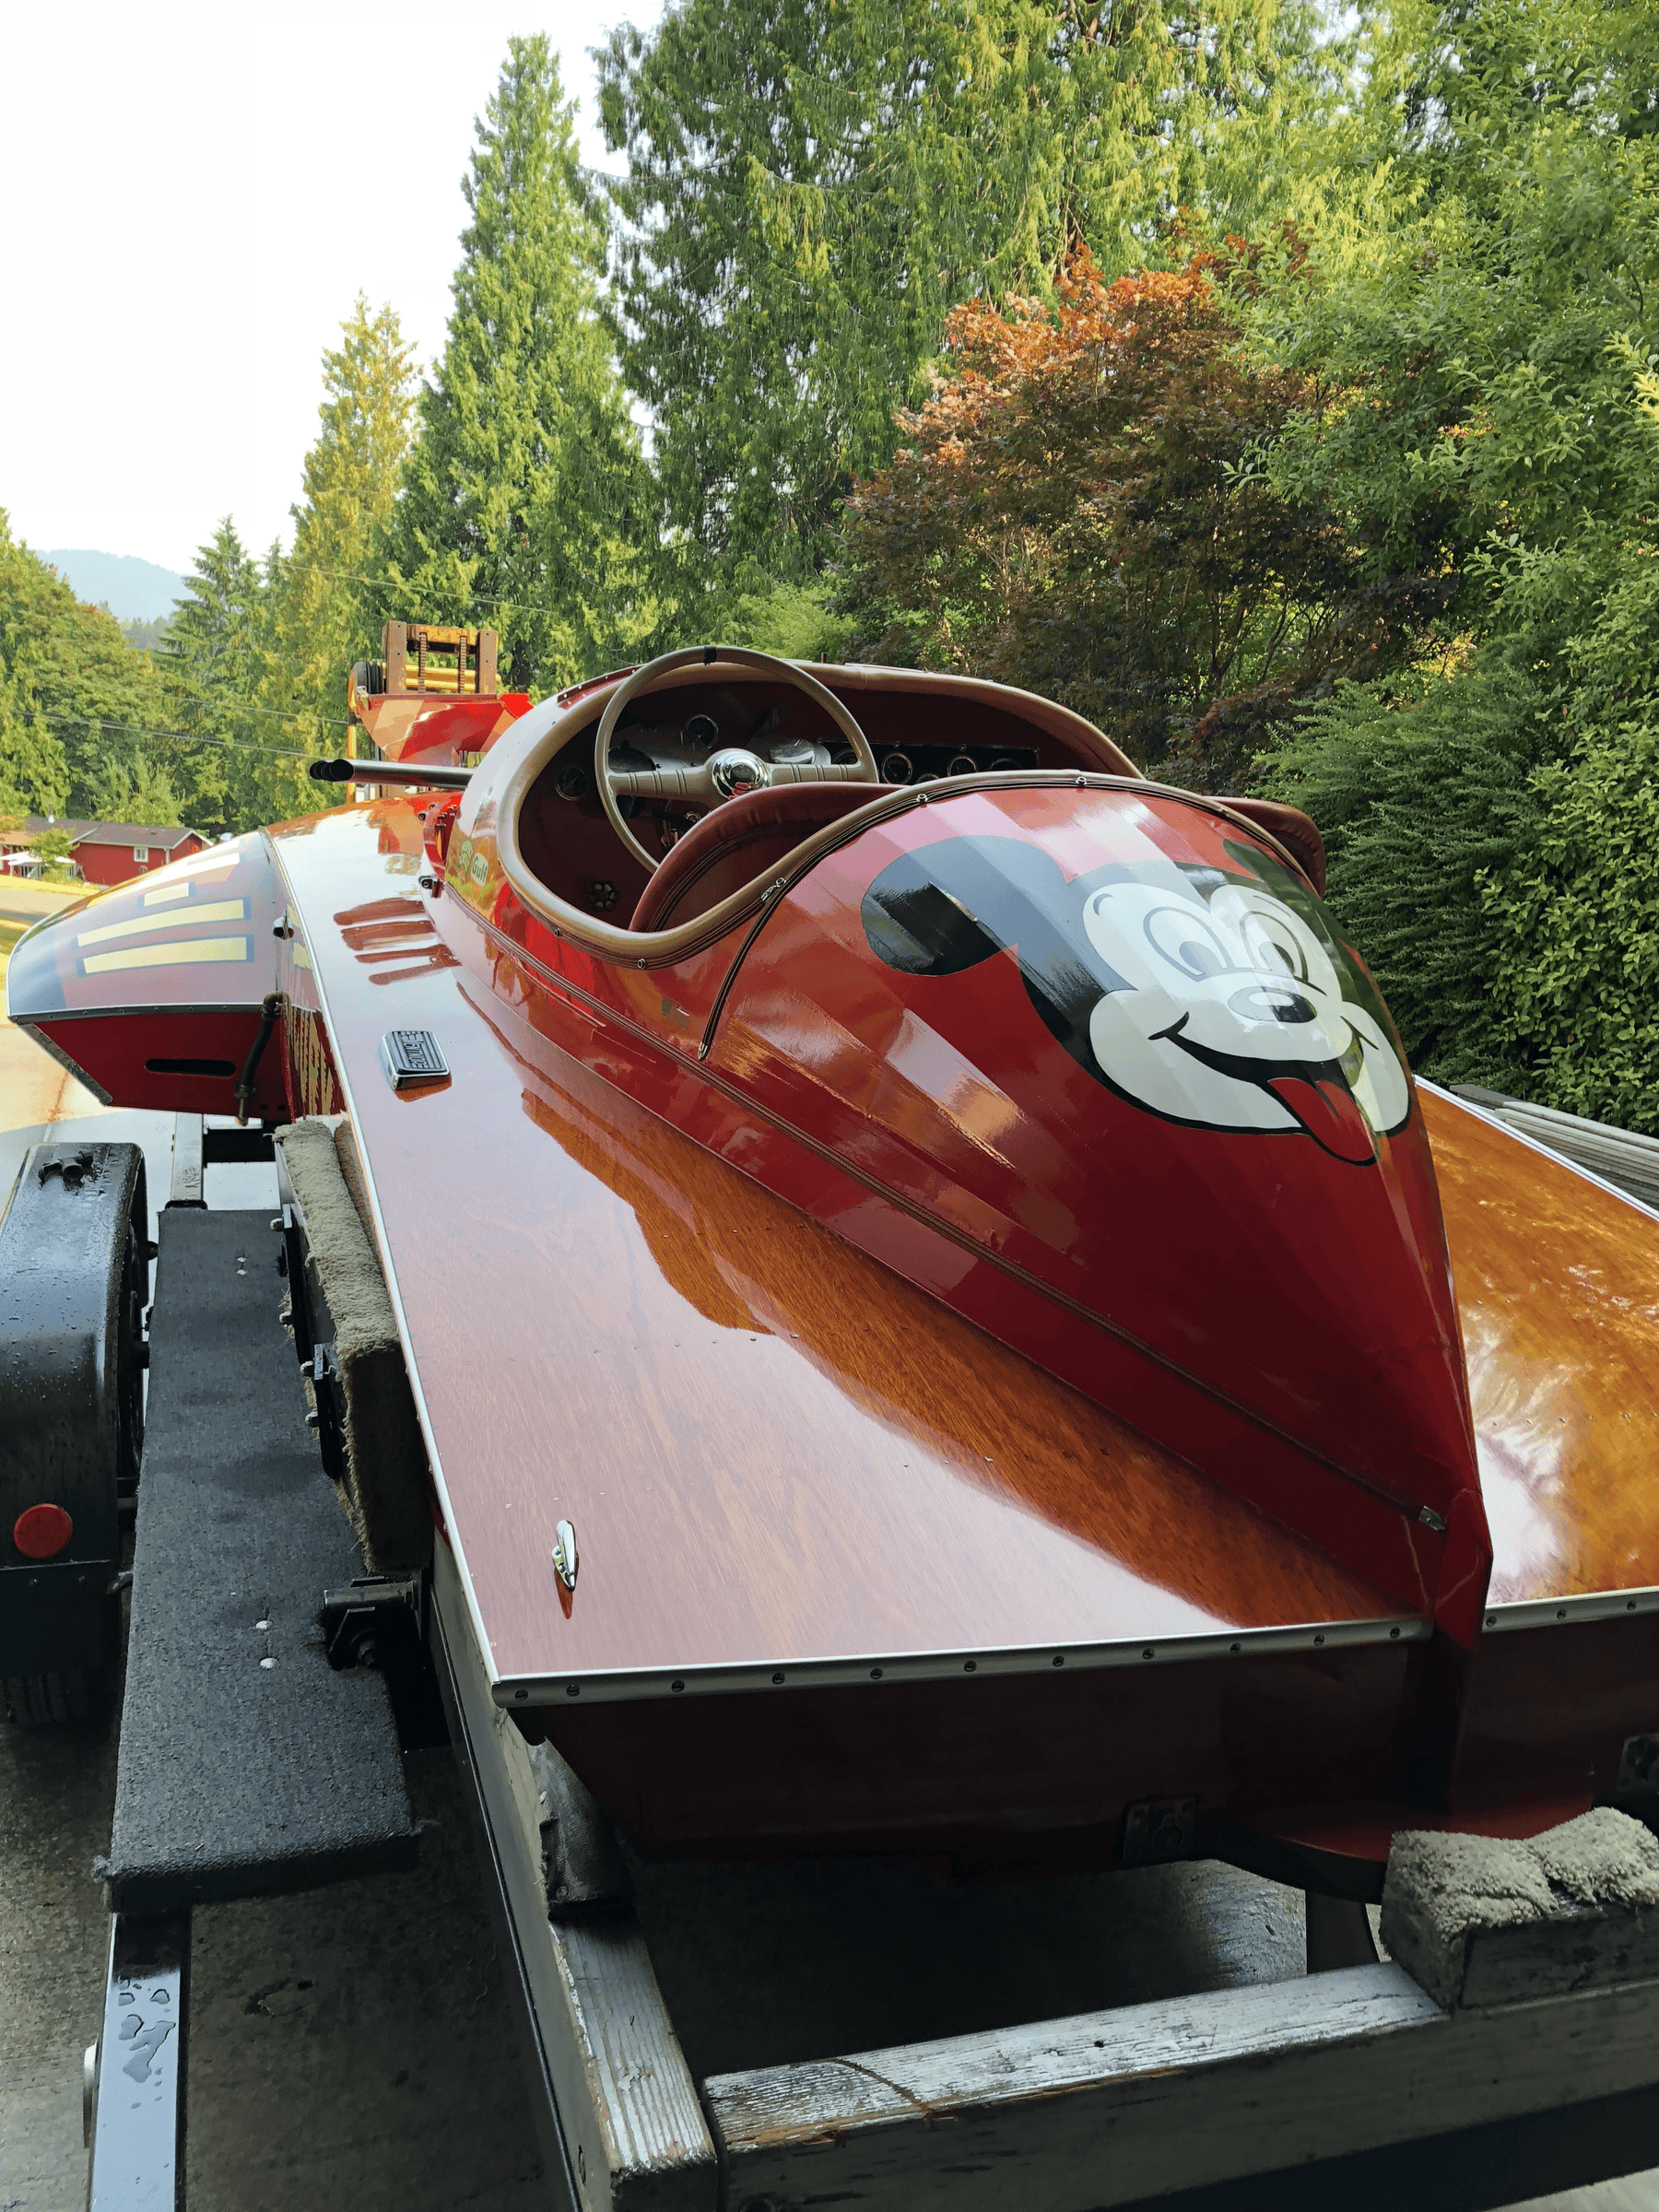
(1315, 1091)
(1328, 1111)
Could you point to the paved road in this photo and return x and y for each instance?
(33, 1087)
(352, 2050)
(22, 899)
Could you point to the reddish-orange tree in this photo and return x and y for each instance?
(1081, 509)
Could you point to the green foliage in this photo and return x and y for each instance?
(135, 790)
(320, 617)
(523, 500)
(796, 621)
(1073, 511)
(811, 190)
(1424, 792)
(71, 689)
(1484, 331)
(51, 848)
(217, 656)
(1577, 932)
(1577, 914)
(34, 767)
(1476, 349)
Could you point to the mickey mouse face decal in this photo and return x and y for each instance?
(1222, 1000)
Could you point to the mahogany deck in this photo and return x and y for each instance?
(775, 1452)
(1558, 1290)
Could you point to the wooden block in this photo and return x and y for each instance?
(580, 1864)
(1481, 1919)
(185, 1188)
(1111, 2108)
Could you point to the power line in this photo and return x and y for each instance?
(131, 729)
(294, 712)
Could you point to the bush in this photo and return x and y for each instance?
(792, 621)
(1576, 916)
(1426, 792)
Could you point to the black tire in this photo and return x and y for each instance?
(44, 1701)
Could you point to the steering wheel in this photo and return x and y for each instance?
(731, 771)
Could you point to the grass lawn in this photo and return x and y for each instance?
(10, 933)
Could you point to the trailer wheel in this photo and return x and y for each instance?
(73, 1268)
(37, 1699)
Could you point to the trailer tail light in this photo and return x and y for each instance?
(40, 1532)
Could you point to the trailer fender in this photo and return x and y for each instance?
(74, 1273)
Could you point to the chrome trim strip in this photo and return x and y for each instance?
(939, 1667)
(1568, 1612)
(134, 1013)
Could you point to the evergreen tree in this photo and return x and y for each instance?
(34, 766)
(1422, 787)
(523, 497)
(810, 190)
(321, 613)
(135, 788)
(215, 661)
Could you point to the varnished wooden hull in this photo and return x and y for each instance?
(863, 1564)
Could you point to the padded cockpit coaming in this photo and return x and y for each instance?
(737, 841)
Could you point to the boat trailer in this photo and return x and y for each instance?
(1501, 2048)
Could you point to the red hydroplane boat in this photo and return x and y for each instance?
(939, 1317)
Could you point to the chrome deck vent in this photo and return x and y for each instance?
(411, 1057)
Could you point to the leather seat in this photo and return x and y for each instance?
(737, 841)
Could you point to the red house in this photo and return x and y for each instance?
(103, 851)
(110, 852)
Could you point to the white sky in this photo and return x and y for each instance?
(192, 198)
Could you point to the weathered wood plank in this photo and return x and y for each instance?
(628, 2109)
(1109, 2108)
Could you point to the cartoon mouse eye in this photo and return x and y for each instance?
(1187, 942)
(1272, 949)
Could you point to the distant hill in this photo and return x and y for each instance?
(133, 591)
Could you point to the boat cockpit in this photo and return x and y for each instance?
(654, 806)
